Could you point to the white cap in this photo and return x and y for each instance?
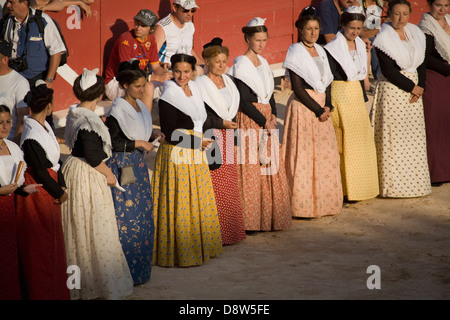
(186, 4)
(355, 9)
(39, 82)
(88, 79)
(255, 22)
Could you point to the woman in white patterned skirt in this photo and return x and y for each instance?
(89, 222)
(397, 114)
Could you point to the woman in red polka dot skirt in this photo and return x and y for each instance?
(222, 97)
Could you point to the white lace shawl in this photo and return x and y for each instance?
(85, 119)
(300, 61)
(388, 41)
(213, 98)
(430, 26)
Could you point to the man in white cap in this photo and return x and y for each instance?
(175, 33)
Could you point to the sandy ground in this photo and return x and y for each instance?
(326, 258)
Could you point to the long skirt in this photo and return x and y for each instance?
(91, 235)
(187, 229)
(9, 261)
(263, 185)
(401, 141)
(358, 157)
(226, 191)
(134, 214)
(436, 104)
(311, 155)
(40, 239)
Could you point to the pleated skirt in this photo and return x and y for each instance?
(91, 234)
(226, 191)
(187, 228)
(9, 257)
(436, 104)
(401, 141)
(355, 138)
(263, 186)
(311, 156)
(134, 214)
(40, 240)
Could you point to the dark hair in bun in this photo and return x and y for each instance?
(4, 108)
(250, 31)
(38, 98)
(182, 57)
(306, 15)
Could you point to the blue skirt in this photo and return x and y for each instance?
(134, 214)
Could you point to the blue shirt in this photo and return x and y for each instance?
(329, 19)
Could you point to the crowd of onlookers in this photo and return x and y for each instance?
(222, 170)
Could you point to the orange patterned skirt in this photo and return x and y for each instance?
(263, 187)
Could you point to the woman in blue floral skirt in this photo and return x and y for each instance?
(130, 126)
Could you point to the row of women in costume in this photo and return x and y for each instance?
(391, 151)
(192, 206)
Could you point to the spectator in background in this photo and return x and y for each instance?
(13, 88)
(175, 33)
(58, 5)
(43, 53)
(140, 44)
(330, 12)
(373, 10)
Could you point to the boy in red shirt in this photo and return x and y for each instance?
(139, 44)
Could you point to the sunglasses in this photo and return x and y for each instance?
(193, 10)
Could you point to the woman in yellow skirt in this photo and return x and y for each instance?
(187, 229)
(348, 59)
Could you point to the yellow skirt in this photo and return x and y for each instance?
(356, 141)
(187, 229)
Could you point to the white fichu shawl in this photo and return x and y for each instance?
(135, 125)
(338, 48)
(85, 119)
(7, 169)
(195, 107)
(300, 62)
(244, 70)
(430, 26)
(213, 98)
(33, 130)
(388, 41)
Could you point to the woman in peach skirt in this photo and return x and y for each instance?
(309, 142)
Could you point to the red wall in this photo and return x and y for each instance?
(90, 39)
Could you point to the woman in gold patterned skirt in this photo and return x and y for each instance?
(187, 229)
(348, 58)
